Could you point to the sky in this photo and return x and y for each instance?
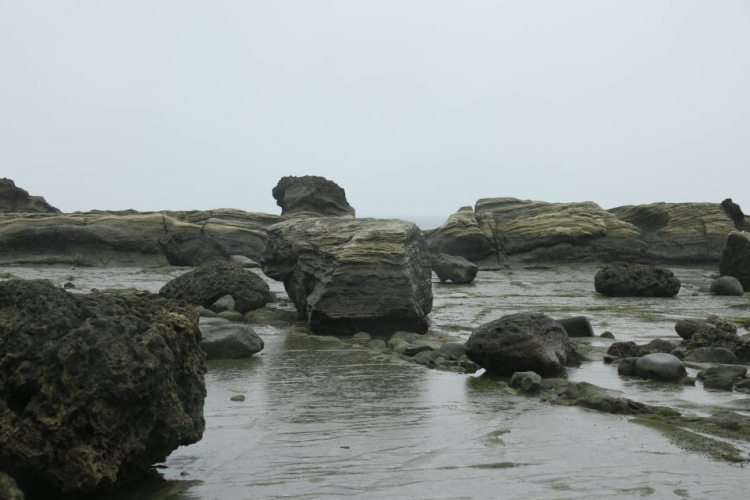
(413, 107)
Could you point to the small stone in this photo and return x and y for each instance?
(225, 303)
(527, 381)
(68, 284)
(608, 335)
(238, 398)
(231, 315)
(453, 349)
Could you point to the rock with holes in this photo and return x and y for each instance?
(623, 279)
(95, 388)
(311, 194)
(207, 284)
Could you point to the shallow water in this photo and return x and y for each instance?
(325, 419)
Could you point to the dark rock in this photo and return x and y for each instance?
(636, 280)
(626, 366)
(660, 345)
(95, 388)
(626, 350)
(526, 381)
(577, 326)
(468, 365)
(521, 342)
(16, 200)
(718, 383)
(711, 355)
(191, 249)
(660, 366)
(685, 328)
(717, 332)
(727, 285)
(8, 488)
(311, 194)
(743, 384)
(470, 236)
(347, 275)
(735, 258)
(607, 335)
(733, 210)
(454, 268)
(222, 340)
(734, 372)
(428, 358)
(416, 348)
(205, 285)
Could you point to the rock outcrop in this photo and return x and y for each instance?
(130, 238)
(95, 388)
(16, 200)
(503, 230)
(735, 258)
(348, 275)
(716, 332)
(451, 267)
(207, 284)
(519, 343)
(623, 279)
(311, 194)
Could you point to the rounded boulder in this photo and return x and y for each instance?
(660, 366)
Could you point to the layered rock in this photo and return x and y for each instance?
(207, 284)
(16, 200)
(735, 258)
(348, 275)
(500, 230)
(519, 343)
(95, 388)
(623, 279)
(311, 194)
(130, 238)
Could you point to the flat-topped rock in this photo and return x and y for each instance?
(348, 275)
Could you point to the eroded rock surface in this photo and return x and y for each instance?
(207, 284)
(623, 279)
(94, 388)
(312, 194)
(349, 275)
(453, 268)
(16, 200)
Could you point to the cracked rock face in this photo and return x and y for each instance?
(94, 389)
(350, 275)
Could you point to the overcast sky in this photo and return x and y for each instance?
(413, 107)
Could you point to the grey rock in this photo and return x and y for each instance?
(626, 350)
(347, 275)
(521, 342)
(450, 267)
(230, 315)
(16, 200)
(225, 303)
(229, 340)
(453, 349)
(660, 345)
(717, 332)
(206, 284)
(711, 355)
(186, 248)
(468, 365)
(526, 381)
(685, 328)
(727, 285)
(470, 236)
(311, 194)
(734, 372)
(577, 326)
(718, 383)
(607, 335)
(626, 366)
(735, 258)
(660, 366)
(416, 348)
(743, 384)
(636, 280)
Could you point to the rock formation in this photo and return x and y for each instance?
(521, 342)
(348, 275)
(205, 285)
(451, 267)
(130, 238)
(503, 230)
(735, 258)
(16, 200)
(95, 388)
(623, 279)
(311, 194)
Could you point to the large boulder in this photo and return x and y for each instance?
(735, 258)
(205, 285)
(16, 200)
(94, 389)
(624, 279)
(311, 194)
(727, 285)
(130, 238)
(716, 332)
(521, 342)
(468, 235)
(660, 366)
(454, 268)
(348, 275)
